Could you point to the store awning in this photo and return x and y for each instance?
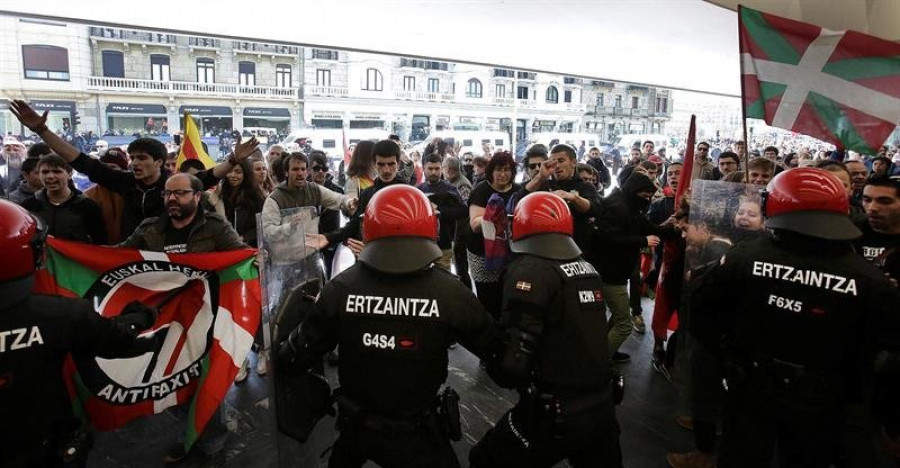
(121, 108)
(207, 111)
(267, 112)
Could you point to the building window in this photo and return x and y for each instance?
(409, 83)
(618, 101)
(500, 90)
(247, 73)
(283, 75)
(159, 67)
(522, 92)
(503, 73)
(323, 54)
(206, 70)
(374, 81)
(552, 95)
(45, 62)
(434, 85)
(635, 102)
(473, 88)
(323, 78)
(113, 64)
(600, 100)
(567, 96)
(665, 105)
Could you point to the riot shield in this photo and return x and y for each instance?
(291, 276)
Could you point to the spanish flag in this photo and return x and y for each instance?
(191, 148)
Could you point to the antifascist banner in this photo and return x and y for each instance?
(209, 307)
(839, 86)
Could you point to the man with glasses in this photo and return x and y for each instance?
(534, 157)
(702, 163)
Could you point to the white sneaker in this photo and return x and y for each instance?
(242, 372)
(262, 363)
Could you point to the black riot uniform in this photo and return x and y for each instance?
(556, 353)
(799, 321)
(393, 317)
(37, 333)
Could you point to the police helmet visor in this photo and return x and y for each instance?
(824, 225)
(399, 255)
(553, 246)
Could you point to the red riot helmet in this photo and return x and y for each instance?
(21, 251)
(400, 229)
(543, 226)
(809, 201)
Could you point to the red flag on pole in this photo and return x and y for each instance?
(667, 292)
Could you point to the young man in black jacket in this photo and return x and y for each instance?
(623, 230)
(67, 213)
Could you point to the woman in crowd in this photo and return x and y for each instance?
(261, 174)
(747, 222)
(361, 170)
(499, 174)
(243, 200)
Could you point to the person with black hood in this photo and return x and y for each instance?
(66, 211)
(141, 188)
(622, 231)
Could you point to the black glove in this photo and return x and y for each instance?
(137, 316)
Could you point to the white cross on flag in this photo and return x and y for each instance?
(838, 86)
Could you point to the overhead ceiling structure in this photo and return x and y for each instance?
(685, 44)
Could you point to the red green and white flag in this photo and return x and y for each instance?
(192, 353)
(838, 86)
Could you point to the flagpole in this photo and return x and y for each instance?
(743, 101)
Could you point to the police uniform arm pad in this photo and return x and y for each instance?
(296, 353)
(517, 358)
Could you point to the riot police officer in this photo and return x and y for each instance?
(799, 320)
(36, 334)
(393, 316)
(555, 351)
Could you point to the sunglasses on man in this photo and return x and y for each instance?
(319, 169)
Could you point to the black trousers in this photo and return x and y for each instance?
(461, 263)
(755, 425)
(402, 449)
(522, 438)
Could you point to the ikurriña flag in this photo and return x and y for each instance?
(838, 86)
(209, 311)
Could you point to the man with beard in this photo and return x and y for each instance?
(445, 199)
(141, 189)
(880, 242)
(453, 175)
(636, 158)
(186, 227)
(10, 164)
(728, 163)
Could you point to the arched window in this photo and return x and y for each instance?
(473, 88)
(552, 95)
(374, 81)
(45, 62)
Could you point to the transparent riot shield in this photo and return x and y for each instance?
(291, 275)
(723, 214)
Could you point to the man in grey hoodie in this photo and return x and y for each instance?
(30, 183)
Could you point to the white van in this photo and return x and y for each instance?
(470, 139)
(638, 139)
(572, 139)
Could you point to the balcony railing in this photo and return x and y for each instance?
(326, 91)
(265, 49)
(128, 35)
(575, 106)
(102, 83)
(527, 104)
(504, 101)
(603, 110)
(639, 112)
(423, 96)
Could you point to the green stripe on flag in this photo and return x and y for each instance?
(767, 90)
(862, 68)
(767, 38)
(245, 271)
(69, 274)
(191, 435)
(831, 115)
